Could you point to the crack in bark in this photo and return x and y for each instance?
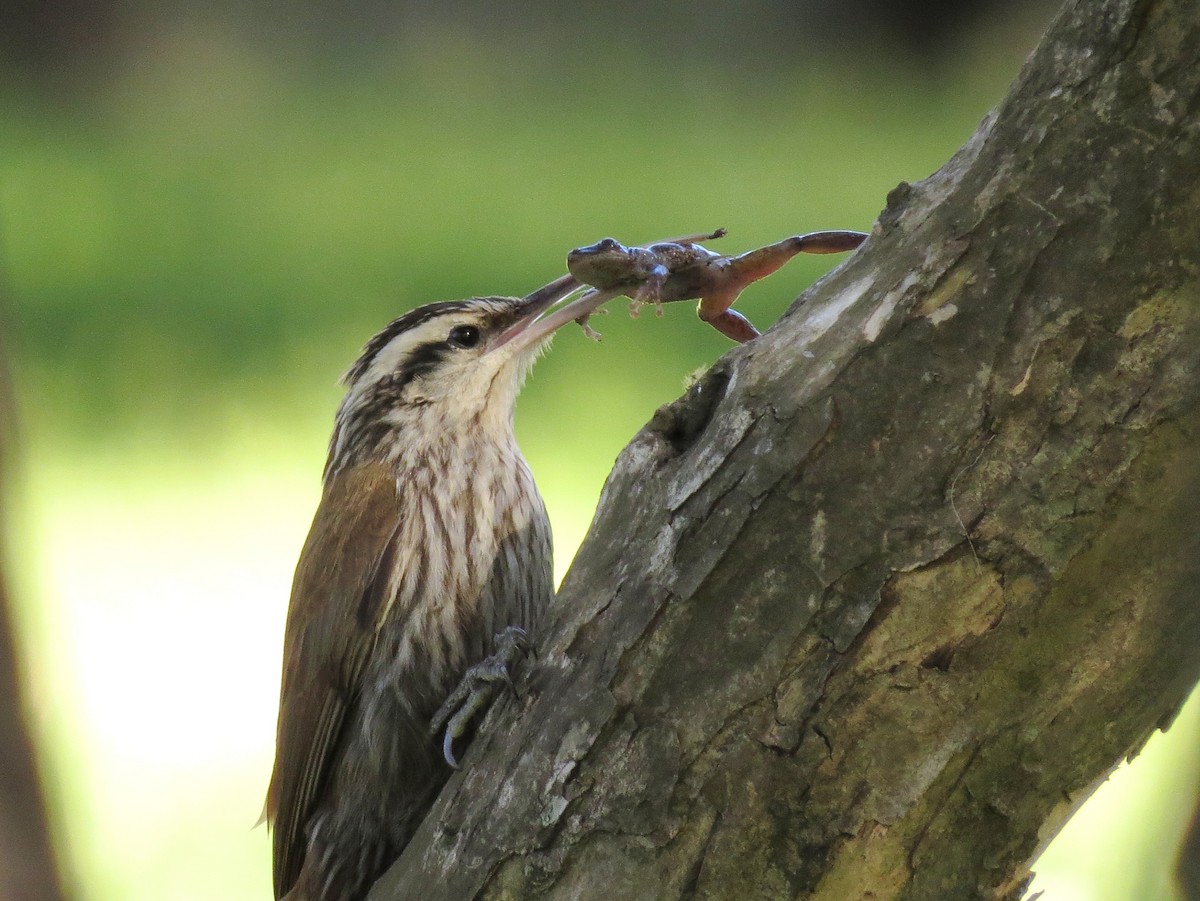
(919, 838)
(824, 738)
(692, 881)
(962, 525)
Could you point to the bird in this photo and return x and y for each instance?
(430, 550)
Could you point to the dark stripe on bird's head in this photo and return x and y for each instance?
(422, 360)
(491, 313)
(409, 320)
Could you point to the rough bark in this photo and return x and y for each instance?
(874, 606)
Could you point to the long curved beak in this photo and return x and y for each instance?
(532, 327)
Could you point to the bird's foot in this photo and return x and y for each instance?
(477, 688)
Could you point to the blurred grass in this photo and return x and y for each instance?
(208, 215)
(196, 246)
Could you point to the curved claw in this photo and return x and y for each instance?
(477, 688)
(448, 749)
(475, 697)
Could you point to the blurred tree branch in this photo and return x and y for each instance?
(1188, 869)
(874, 606)
(27, 863)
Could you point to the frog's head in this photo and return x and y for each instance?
(604, 248)
(607, 263)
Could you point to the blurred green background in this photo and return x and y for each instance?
(204, 215)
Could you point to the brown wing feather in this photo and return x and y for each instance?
(327, 641)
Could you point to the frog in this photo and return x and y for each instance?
(683, 269)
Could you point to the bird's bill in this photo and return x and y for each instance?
(532, 327)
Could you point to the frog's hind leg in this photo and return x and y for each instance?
(736, 273)
(749, 267)
(758, 264)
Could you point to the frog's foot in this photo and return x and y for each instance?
(827, 242)
(729, 323)
(714, 308)
(477, 688)
(588, 331)
(590, 303)
(635, 307)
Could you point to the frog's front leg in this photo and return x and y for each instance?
(649, 291)
(589, 304)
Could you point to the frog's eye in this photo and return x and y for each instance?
(464, 336)
(608, 244)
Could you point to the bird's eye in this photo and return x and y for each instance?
(464, 336)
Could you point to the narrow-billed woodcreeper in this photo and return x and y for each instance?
(430, 541)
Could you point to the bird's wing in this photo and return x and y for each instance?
(338, 589)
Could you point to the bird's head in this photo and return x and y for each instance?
(448, 365)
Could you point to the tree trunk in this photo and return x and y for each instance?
(872, 608)
(28, 869)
